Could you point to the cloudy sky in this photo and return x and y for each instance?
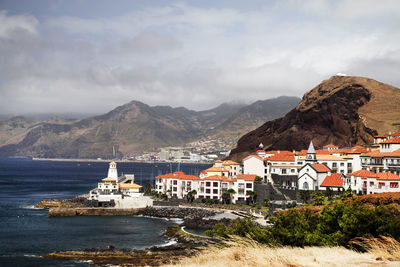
(91, 56)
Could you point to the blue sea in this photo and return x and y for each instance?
(26, 232)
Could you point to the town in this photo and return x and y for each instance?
(275, 175)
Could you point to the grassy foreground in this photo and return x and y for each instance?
(247, 253)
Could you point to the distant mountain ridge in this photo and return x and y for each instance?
(134, 127)
(343, 110)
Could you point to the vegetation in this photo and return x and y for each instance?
(250, 253)
(304, 195)
(191, 195)
(227, 196)
(252, 196)
(258, 179)
(334, 226)
(147, 189)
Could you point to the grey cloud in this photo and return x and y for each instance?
(150, 42)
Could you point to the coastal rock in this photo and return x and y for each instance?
(175, 212)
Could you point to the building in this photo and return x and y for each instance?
(368, 182)
(119, 191)
(179, 184)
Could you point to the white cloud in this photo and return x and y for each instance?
(198, 57)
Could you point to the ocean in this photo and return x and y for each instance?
(26, 232)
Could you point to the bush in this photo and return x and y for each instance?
(333, 226)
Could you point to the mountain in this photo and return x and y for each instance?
(130, 128)
(343, 110)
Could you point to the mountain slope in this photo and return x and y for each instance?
(342, 110)
(131, 128)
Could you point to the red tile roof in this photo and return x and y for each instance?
(178, 175)
(387, 176)
(394, 140)
(278, 157)
(378, 154)
(247, 177)
(363, 174)
(330, 146)
(320, 167)
(396, 133)
(333, 180)
(380, 136)
(219, 178)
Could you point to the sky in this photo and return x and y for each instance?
(90, 56)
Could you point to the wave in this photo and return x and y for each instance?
(30, 207)
(169, 243)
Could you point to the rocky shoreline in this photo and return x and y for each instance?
(187, 244)
(78, 207)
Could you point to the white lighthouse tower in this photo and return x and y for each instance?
(112, 171)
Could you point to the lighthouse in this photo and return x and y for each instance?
(112, 171)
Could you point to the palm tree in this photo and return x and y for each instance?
(252, 196)
(191, 195)
(147, 189)
(227, 196)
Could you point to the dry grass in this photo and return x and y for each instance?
(383, 247)
(244, 253)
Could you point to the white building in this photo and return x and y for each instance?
(179, 184)
(122, 192)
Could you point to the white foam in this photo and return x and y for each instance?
(169, 243)
(30, 207)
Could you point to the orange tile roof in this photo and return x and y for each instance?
(263, 151)
(333, 180)
(214, 169)
(320, 167)
(387, 176)
(394, 140)
(219, 178)
(378, 154)
(247, 177)
(380, 136)
(329, 146)
(178, 175)
(396, 133)
(229, 162)
(324, 152)
(282, 152)
(363, 174)
(278, 157)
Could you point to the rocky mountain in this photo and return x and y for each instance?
(342, 110)
(131, 128)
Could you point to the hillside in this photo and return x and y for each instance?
(342, 110)
(131, 128)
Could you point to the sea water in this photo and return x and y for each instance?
(26, 232)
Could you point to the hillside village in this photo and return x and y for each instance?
(365, 170)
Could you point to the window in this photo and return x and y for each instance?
(248, 185)
(215, 184)
(208, 183)
(381, 185)
(215, 191)
(334, 165)
(394, 185)
(283, 171)
(175, 182)
(208, 191)
(341, 164)
(305, 186)
(292, 170)
(349, 165)
(174, 189)
(371, 183)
